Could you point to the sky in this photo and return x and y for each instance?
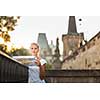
(28, 28)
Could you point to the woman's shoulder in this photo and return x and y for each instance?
(43, 61)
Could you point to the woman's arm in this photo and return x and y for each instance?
(42, 69)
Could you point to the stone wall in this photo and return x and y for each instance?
(73, 76)
(71, 42)
(86, 57)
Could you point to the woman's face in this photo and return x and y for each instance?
(34, 50)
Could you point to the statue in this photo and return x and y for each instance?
(56, 57)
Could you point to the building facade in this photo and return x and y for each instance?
(85, 57)
(78, 55)
(72, 40)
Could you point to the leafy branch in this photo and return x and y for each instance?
(7, 23)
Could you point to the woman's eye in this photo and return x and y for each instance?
(33, 48)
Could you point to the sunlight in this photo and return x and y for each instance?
(17, 45)
(9, 46)
(1, 40)
(4, 29)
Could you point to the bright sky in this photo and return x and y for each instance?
(54, 26)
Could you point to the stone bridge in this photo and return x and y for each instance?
(11, 71)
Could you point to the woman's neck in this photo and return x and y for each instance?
(35, 55)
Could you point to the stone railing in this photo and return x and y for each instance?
(73, 76)
(11, 70)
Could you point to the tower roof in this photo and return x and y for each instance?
(72, 29)
(42, 41)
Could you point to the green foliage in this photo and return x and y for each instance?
(48, 66)
(20, 52)
(3, 47)
(7, 23)
(6, 38)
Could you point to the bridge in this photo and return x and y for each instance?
(12, 71)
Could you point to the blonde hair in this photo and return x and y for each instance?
(34, 44)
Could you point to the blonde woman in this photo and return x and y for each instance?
(37, 68)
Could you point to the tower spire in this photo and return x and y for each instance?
(43, 43)
(72, 25)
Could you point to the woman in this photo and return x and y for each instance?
(37, 68)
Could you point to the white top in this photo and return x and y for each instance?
(34, 72)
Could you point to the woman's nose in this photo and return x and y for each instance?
(33, 50)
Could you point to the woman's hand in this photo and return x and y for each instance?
(37, 61)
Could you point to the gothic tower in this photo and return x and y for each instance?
(43, 43)
(72, 40)
(72, 25)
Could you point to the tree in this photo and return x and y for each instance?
(19, 52)
(3, 47)
(7, 24)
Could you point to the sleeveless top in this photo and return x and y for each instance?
(34, 72)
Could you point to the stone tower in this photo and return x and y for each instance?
(72, 40)
(44, 47)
